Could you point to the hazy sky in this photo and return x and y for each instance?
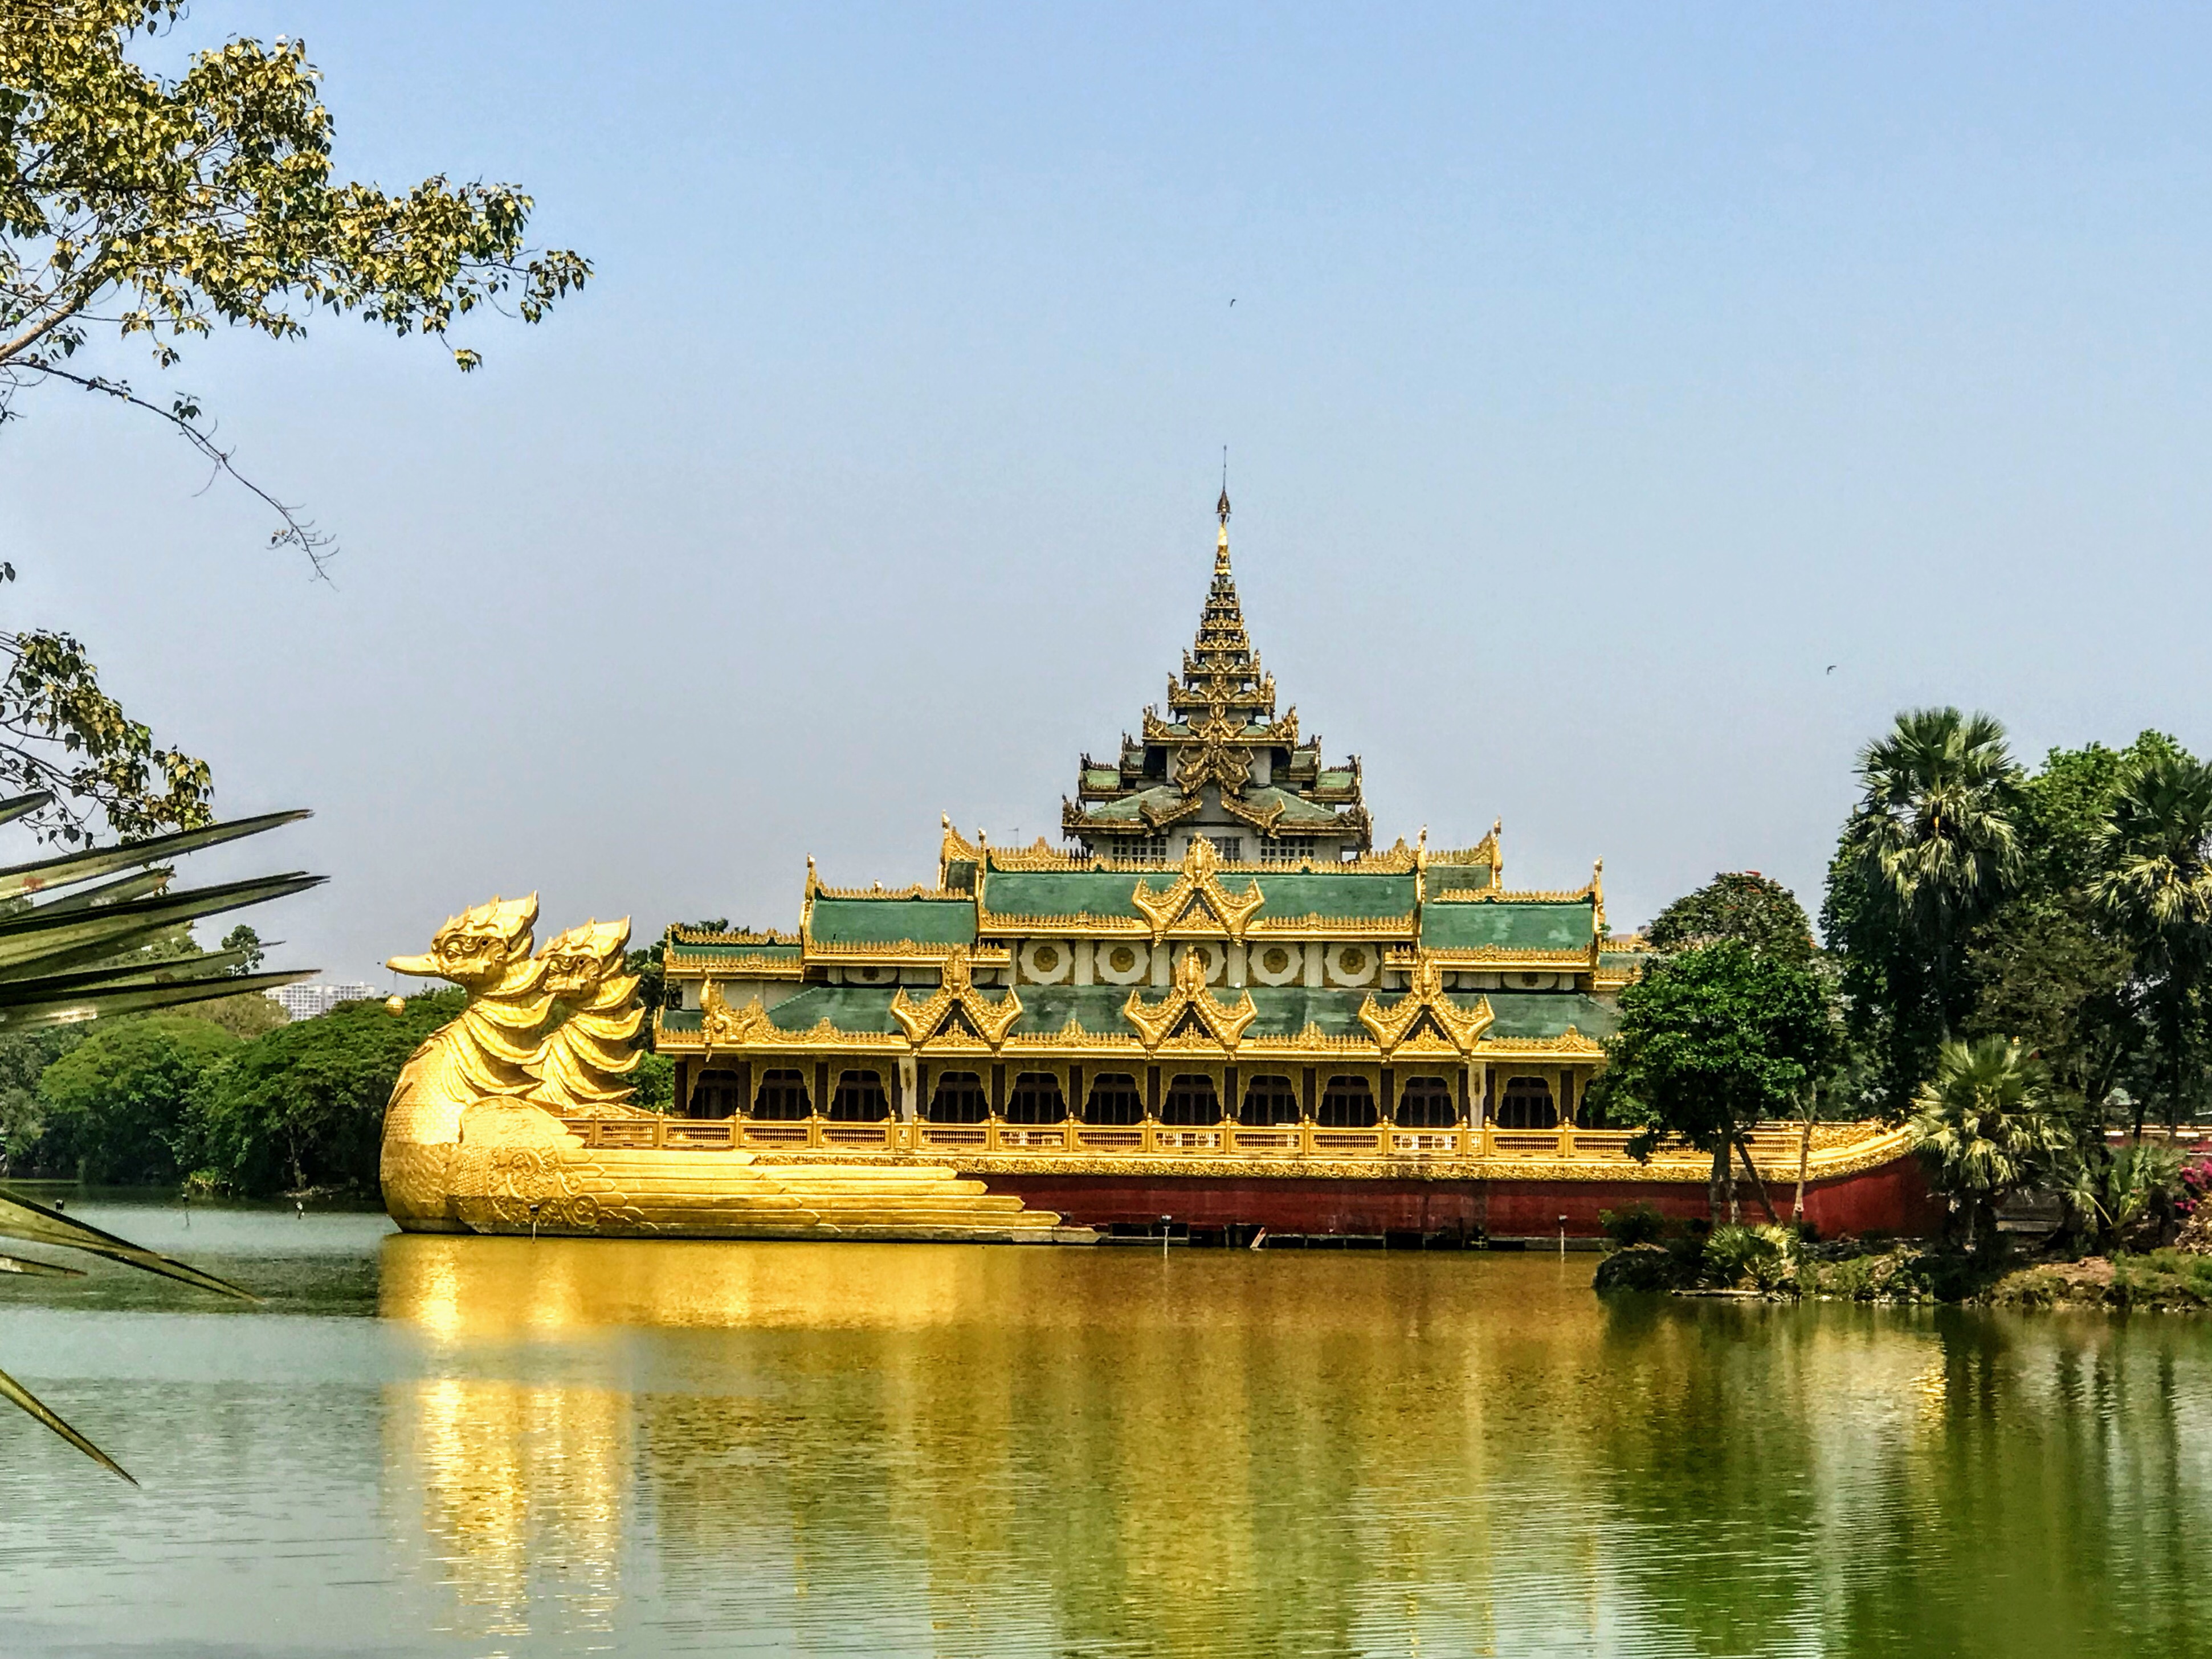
(1597, 377)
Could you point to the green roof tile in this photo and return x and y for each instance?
(846, 1007)
(1534, 924)
(880, 921)
(1528, 1015)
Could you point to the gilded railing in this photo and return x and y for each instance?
(1774, 1148)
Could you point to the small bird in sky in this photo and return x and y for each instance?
(1831, 668)
(1232, 301)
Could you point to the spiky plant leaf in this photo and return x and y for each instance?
(34, 1224)
(13, 1390)
(24, 1264)
(24, 1008)
(35, 942)
(69, 868)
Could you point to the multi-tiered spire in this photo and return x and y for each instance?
(1220, 763)
(1221, 673)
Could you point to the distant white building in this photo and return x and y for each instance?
(306, 1002)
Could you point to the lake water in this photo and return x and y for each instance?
(486, 1446)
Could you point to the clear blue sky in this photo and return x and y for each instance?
(1597, 377)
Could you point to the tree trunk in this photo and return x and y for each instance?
(1804, 1162)
(1727, 1181)
(1713, 1187)
(1757, 1183)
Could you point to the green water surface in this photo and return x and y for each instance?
(484, 1447)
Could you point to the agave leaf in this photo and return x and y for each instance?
(68, 1008)
(17, 805)
(113, 892)
(72, 867)
(24, 1264)
(13, 1390)
(40, 943)
(33, 1223)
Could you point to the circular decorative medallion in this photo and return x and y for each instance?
(1123, 964)
(1045, 962)
(1276, 960)
(1277, 964)
(1351, 964)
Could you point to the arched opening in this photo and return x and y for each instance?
(1590, 1106)
(1425, 1103)
(959, 1098)
(783, 1095)
(1191, 1102)
(1346, 1104)
(1036, 1099)
(1113, 1100)
(1268, 1101)
(859, 1099)
(1527, 1104)
(719, 1092)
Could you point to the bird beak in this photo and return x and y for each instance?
(422, 967)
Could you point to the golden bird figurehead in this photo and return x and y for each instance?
(476, 948)
(577, 960)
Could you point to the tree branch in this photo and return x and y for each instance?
(297, 531)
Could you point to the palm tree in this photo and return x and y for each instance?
(80, 956)
(1932, 846)
(2154, 853)
(1985, 1126)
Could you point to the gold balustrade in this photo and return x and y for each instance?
(1774, 1147)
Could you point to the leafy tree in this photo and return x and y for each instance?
(1712, 1040)
(304, 1105)
(1747, 907)
(2155, 849)
(1985, 1126)
(137, 207)
(1931, 850)
(115, 1105)
(248, 943)
(24, 1058)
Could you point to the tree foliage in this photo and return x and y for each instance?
(1712, 1040)
(2156, 888)
(304, 1106)
(1755, 911)
(153, 208)
(1985, 1127)
(136, 207)
(116, 1107)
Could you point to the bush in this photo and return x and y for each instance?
(1638, 1224)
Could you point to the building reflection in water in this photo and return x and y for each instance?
(961, 1451)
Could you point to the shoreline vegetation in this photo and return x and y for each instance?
(1779, 1264)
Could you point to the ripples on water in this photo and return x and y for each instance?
(507, 1447)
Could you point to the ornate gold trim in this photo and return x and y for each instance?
(1200, 883)
(913, 891)
(740, 936)
(1425, 1001)
(926, 1022)
(1223, 1024)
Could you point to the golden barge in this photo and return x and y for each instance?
(1219, 1009)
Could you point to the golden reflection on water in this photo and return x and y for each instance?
(959, 1450)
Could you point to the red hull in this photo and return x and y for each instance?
(1892, 1199)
